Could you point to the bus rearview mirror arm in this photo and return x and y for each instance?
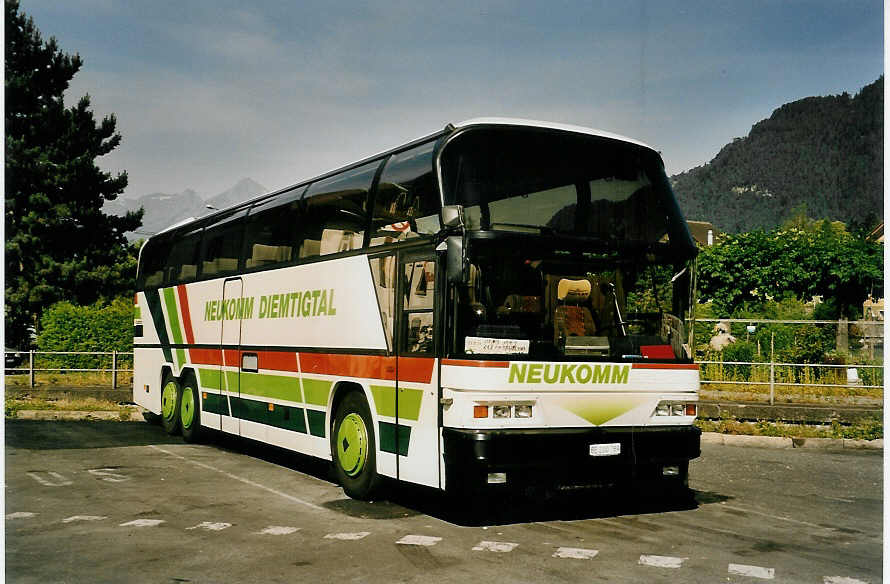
(454, 259)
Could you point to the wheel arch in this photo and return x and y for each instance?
(339, 391)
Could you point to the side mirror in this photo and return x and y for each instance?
(453, 216)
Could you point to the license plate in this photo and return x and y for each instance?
(605, 449)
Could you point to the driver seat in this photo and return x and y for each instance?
(571, 318)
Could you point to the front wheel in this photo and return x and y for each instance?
(353, 448)
(171, 397)
(190, 412)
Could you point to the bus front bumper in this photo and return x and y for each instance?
(566, 458)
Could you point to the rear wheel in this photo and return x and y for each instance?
(353, 448)
(171, 397)
(190, 412)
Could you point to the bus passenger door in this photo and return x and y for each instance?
(417, 394)
(230, 348)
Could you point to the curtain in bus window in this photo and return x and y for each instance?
(406, 202)
(336, 212)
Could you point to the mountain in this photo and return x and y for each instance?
(822, 152)
(244, 189)
(163, 210)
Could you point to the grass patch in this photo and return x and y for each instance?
(70, 379)
(86, 404)
(868, 430)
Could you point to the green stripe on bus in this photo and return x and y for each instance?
(274, 386)
(209, 378)
(317, 392)
(316, 421)
(278, 416)
(137, 313)
(215, 404)
(409, 402)
(153, 299)
(172, 314)
(389, 433)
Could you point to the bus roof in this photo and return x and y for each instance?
(550, 126)
(481, 121)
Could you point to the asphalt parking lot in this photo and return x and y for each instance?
(112, 502)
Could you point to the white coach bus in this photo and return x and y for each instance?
(501, 302)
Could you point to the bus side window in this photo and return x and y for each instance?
(418, 303)
(406, 202)
(336, 212)
(154, 259)
(182, 266)
(222, 246)
(383, 271)
(271, 234)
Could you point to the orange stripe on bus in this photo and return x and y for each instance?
(469, 363)
(416, 369)
(411, 369)
(205, 356)
(277, 360)
(186, 314)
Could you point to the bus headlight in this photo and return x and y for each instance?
(522, 411)
(504, 410)
(501, 411)
(673, 408)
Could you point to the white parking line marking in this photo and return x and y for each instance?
(211, 526)
(108, 475)
(84, 518)
(242, 479)
(575, 553)
(662, 561)
(752, 571)
(495, 546)
(20, 515)
(351, 536)
(841, 580)
(426, 540)
(279, 530)
(55, 480)
(142, 523)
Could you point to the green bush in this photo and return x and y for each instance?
(68, 327)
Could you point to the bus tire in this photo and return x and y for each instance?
(353, 448)
(190, 412)
(171, 397)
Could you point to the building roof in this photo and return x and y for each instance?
(699, 231)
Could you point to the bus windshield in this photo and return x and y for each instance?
(575, 247)
(532, 180)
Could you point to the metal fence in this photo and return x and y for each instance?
(117, 359)
(861, 376)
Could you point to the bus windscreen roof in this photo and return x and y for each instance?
(547, 182)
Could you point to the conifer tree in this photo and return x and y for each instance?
(59, 243)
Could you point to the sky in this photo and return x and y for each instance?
(209, 92)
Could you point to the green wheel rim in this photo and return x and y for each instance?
(168, 400)
(187, 408)
(352, 444)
